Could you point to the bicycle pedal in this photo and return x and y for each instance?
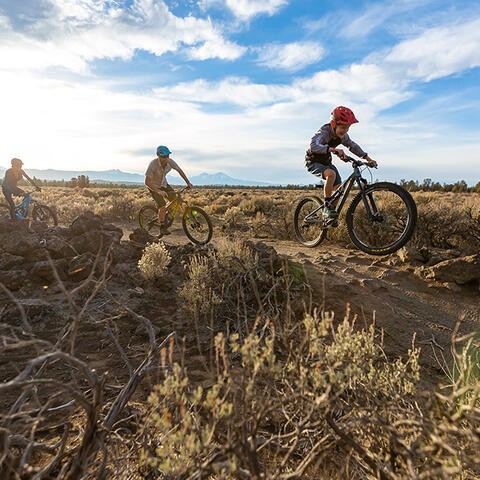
(331, 223)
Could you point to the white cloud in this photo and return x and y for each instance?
(291, 56)
(377, 15)
(232, 90)
(72, 33)
(246, 9)
(438, 52)
(89, 124)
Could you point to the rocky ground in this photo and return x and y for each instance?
(414, 292)
(78, 289)
(410, 293)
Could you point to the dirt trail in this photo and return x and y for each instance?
(402, 304)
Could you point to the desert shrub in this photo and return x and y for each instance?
(233, 282)
(320, 397)
(154, 261)
(217, 208)
(266, 412)
(445, 222)
(232, 217)
(263, 204)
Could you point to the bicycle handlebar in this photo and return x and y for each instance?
(181, 190)
(356, 163)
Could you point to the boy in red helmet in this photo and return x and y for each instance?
(318, 158)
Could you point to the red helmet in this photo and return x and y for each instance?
(342, 116)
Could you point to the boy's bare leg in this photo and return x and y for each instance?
(330, 177)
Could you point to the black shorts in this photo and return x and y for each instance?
(159, 200)
(318, 169)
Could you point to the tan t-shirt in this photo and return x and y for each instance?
(158, 174)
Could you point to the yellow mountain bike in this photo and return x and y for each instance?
(195, 222)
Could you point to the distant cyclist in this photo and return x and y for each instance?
(9, 186)
(156, 182)
(318, 158)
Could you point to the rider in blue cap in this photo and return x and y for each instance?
(156, 182)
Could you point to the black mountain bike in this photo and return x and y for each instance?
(195, 222)
(380, 219)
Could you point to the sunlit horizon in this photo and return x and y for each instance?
(239, 87)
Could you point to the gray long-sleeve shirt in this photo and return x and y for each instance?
(324, 139)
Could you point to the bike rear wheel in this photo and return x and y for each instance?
(42, 213)
(309, 226)
(148, 220)
(382, 219)
(197, 225)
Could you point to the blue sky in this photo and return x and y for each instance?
(240, 86)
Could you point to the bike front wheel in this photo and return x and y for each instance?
(42, 213)
(308, 222)
(148, 220)
(381, 219)
(197, 225)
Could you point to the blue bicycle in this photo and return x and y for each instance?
(40, 212)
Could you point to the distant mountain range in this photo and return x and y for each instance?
(117, 176)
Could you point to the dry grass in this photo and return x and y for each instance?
(446, 220)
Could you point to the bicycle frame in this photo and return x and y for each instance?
(344, 189)
(25, 203)
(177, 202)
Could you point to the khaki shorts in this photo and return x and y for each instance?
(159, 199)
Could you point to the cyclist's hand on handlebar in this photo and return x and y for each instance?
(371, 162)
(339, 153)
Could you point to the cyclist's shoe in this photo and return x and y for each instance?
(330, 212)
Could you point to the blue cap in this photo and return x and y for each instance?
(163, 150)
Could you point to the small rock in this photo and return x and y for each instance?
(438, 255)
(459, 270)
(140, 237)
(452, 286)
(45, 270)
(85, 223)
(13, 279)
(372, 284)
(7, 261)
(412, 254)
(136, 292)
(80, 266)
(20, 244)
